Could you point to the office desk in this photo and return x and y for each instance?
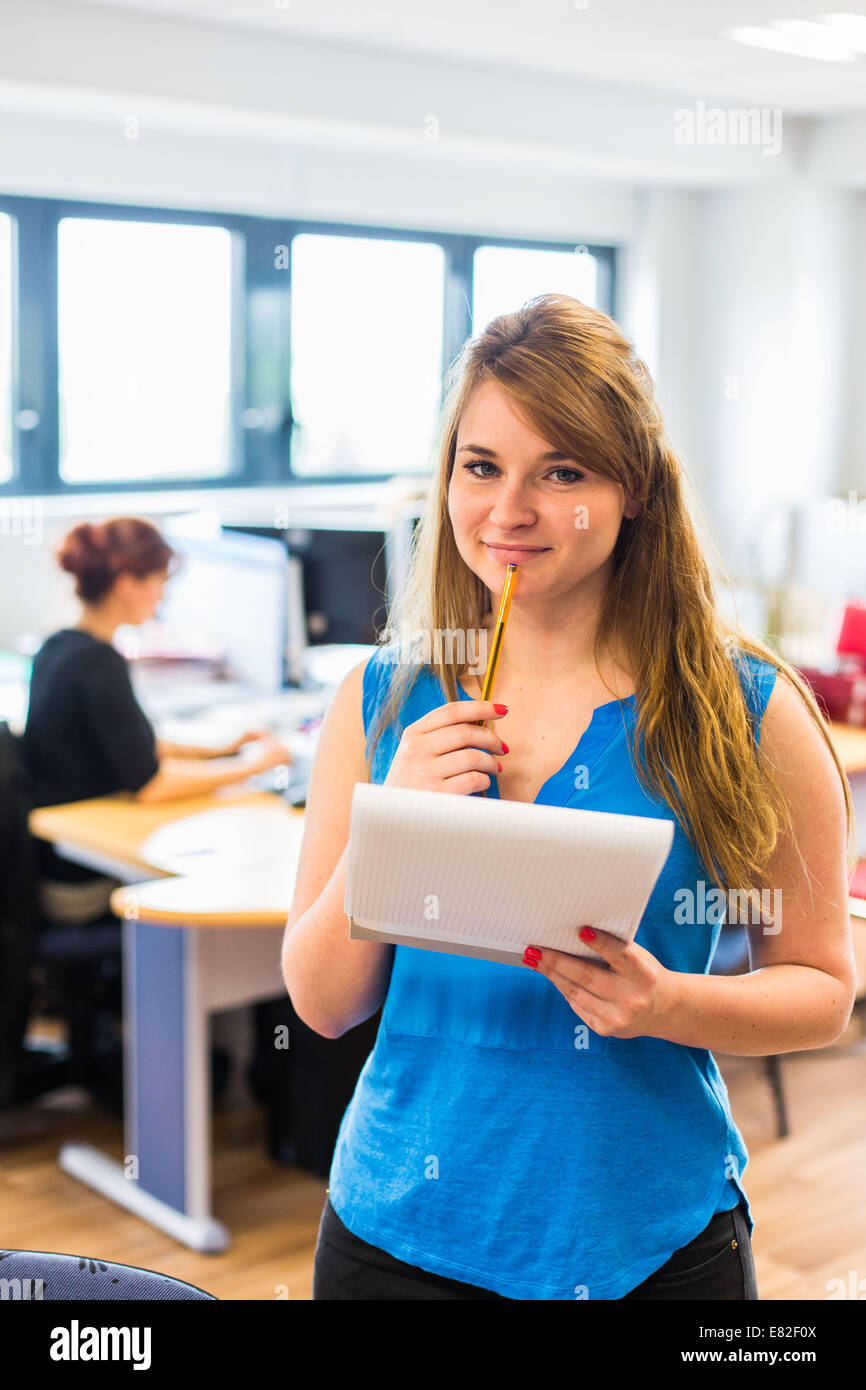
(251, 896)
(245, 850)
(850, 743)
(125, 839)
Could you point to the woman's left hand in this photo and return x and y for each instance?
(629, 1000)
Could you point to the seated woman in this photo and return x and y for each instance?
(86, 734)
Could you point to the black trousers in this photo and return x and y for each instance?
(717, 1264)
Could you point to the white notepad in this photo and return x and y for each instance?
(487, 878)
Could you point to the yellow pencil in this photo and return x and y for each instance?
(498, 634)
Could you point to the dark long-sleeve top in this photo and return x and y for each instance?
(86, 734)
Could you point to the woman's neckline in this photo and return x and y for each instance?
(83, 632)
(617, 699)
(602, 721)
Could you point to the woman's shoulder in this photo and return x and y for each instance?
(362, 684)
(76, 639)
(93, 651)
(754, 669)
(757, 678)
(380, 670)
(72, 645)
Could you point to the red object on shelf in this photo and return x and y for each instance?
(841, 695)
(852, 634)
(857, 888)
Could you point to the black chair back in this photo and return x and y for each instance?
(43, 1276)
(18, 908)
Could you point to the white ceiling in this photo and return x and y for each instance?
(670, 46)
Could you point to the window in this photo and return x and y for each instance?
(145, 350)
(367, 342)
(505, 276)
(6, 321)
(161, 349)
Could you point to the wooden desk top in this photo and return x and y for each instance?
(850, 743)
(227, 828)
(258, 896)
(228, 859)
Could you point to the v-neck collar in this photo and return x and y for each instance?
(560, 789)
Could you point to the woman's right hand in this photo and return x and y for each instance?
(447, 751)
(269, 752)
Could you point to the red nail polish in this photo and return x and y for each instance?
(501, 709)
(499, 765)
(586, 934)
(531, 956)
(505, 748)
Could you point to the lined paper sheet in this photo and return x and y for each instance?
(488, 878)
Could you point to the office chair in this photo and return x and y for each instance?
(77, 969)
(41, 1275)
(72, 971)
(731, 957)
(75, 974)
(18, 917)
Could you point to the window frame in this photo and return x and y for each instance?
(261, 310)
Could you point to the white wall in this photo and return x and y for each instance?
(853, 460)
(662, 309)
(778, 421)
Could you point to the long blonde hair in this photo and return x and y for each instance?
(576, 378)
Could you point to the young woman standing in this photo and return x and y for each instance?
(560, 1130)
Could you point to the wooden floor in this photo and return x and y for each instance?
(807, 1192)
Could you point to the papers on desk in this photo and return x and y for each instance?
(487, 878)
(226, 840)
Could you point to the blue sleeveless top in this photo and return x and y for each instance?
(492, 1137)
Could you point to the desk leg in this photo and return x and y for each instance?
(165, 1177)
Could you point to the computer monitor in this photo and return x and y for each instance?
(233, 589)
(344, 583)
